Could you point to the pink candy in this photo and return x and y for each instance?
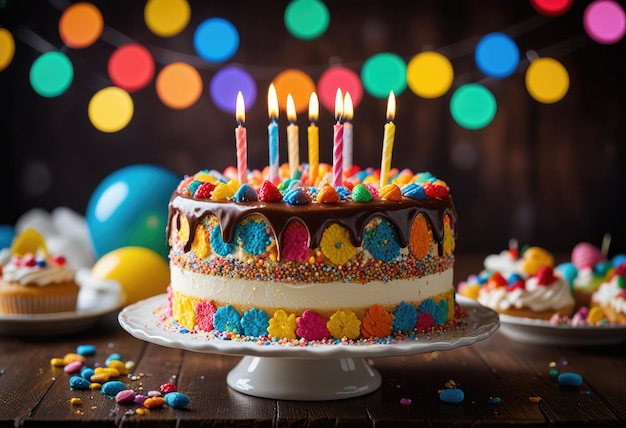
(73, 367)
(125, 396)
(586, 256)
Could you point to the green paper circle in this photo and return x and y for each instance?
(473, 106)
(306, 19)
(382, 73)
(51, 74)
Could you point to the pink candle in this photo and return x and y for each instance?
(241, 141)
(338, 142)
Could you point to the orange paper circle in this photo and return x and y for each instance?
(80, 25)
(298, 84)
(179, 85)
(7, 48)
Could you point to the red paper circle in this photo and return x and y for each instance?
(131, 67)
(342, 78)
(551, 8)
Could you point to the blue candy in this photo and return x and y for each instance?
(78, 382)
(176, 400)
(452, 396)
(113, 387)
(113, 357)
(86, 350)
(87, 372)
(570, 379)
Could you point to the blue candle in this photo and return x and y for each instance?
(272, 134)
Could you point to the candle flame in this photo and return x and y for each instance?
(272, 102)
(291, 109)
(314, 107)
(348, 109)
(338, 105)
(391, 106)
(240, 109)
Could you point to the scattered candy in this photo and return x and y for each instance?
(87, 372)
(534, 400)
(77, 382)
(168, 387)
(76, 401)
(86, 350)
(57, 362)
(113, 387)
(73, 367)
(68, 358)
(495, 400)
(405, 401)
(570, 379)
(125, 396)
(152, 402)
(452, 396)
(154, 393)
(119, 366)
(176, 400)
(95, 386)
(140, 398)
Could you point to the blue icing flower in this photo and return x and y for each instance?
(414, 191)
(296, 196)
(217, 243)
(255, 322)
(381, 241)
(428, 306)
(312, 191)
(193, 186)
(442, 312)
(253, 235)
(343, 192)
(405, 318)
(227, 318)
(246, 194)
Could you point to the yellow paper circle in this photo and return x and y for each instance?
(547, 80)
(110, 109)
(298, 84)
(167, 18)
(7, 48)
(179, 85)
(429, 74)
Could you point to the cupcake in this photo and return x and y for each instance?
(592, 267)
(611, 296)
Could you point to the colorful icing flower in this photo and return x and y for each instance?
(183, 186)
(282, 326)
(193, 186)
(204, 191)
(269, 193)
(425, 322)
(246, 194)
(344, 324)
(377, 322)
(295, 242)
(201, 243)
(373, 190)
(312, 326)
(419, 241)
(217, 243)
(391, 192)
(255, 322)
(182, 310)
(205, 312)
(253, 234)
(404, 318)
(381, 241)
(428, 306)
(227, 318)
(441, 316)
(414, 191)
(336, 245)
(327, 195)
(297, 196)
(448, 237)
(343, 192)
(360, 193)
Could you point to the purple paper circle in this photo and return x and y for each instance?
(225, 85)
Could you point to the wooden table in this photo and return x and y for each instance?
(32, 393)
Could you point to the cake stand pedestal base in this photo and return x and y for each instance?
(303, 379)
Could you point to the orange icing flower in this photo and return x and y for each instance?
(336, 245)
(391, 192)
(283, 326)
(377, 322)
(344, 324)
(201, 243)
(419, 241)
(327, 195)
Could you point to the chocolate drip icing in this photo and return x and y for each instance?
(354, 216)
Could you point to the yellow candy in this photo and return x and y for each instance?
(99, 378)
(68, 358)
(118, 366)
(75, 401)
(29, 241)
(535, 258)
(222, 192)
(596, 315)
(95, 386)
(57, 362)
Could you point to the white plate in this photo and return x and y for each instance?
(542, 332)
(143, 321)
(91, 305)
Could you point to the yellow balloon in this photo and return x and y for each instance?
(429, 74)
(547, 80)
(141, 272)
(110, 109)
(7, 48)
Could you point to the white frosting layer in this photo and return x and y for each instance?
(322, 296)
(36, 275)
(606, 296)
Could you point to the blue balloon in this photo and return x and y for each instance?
(130, 208)
(7, 233)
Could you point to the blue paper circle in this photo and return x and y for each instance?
(216, 40)
(497, 55)
(129, 208)
(225, 85)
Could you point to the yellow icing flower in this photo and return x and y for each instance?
(183, 310)
(282, 326)
(336, 245)
(223, 192)
(202, 242)
(419, 241)
(204, 176)
(183, 232)
(448, 239)
(344, 324)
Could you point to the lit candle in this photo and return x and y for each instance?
(388, 136)
(314, 138)
(241, 140)
(292, 138)
(338, 141)
(272, 132)
(348, 112)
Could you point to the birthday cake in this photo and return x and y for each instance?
(299, 262)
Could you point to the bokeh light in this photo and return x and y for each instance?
(496, 55)
(110, 109)
(473, 106)
(167, 18)
(80, 25)
(382, 73)
(7, 48)
(338, 78)
(131, 67)
(298, 84)
(179, 85)
(547, 80)
(429, 74)
(605, 21)
(216, 40)
(306, 19)
(51, 74)
(552, 8)
(225, 85)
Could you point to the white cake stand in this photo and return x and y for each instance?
(314, 372)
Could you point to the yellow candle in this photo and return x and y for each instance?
(314, 138)
(292, 138)
(388, 137)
